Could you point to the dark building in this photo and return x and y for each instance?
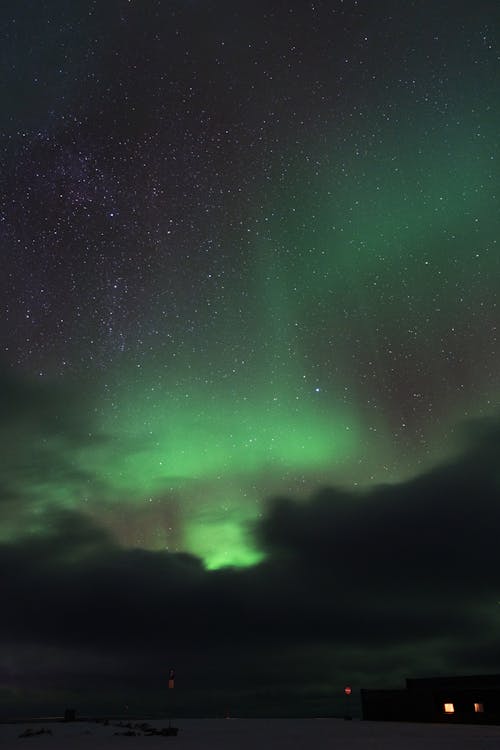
(464, 700)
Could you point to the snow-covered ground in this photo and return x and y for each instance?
(252, 734)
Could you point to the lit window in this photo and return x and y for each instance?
(449, 708)
(478, 708)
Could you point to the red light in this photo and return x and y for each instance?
(348, 690)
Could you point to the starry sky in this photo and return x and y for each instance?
(249, 348)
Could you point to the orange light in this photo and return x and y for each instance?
(449, 708)
(478, 708)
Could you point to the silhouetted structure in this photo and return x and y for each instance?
(464, 700)
(70, 714)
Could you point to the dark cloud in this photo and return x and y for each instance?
(404, 575)
(41, 425)
(44, 427)
(49, 407)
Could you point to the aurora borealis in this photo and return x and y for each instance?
(249, 252)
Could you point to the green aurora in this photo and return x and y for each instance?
(343, 354)
(399, 237)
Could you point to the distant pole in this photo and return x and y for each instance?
(171, 682)
(347, 693)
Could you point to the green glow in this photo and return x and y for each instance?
(221, 543)
(365, 232)
(185, 466)
(190, 439)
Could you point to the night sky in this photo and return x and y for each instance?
(250, 363)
